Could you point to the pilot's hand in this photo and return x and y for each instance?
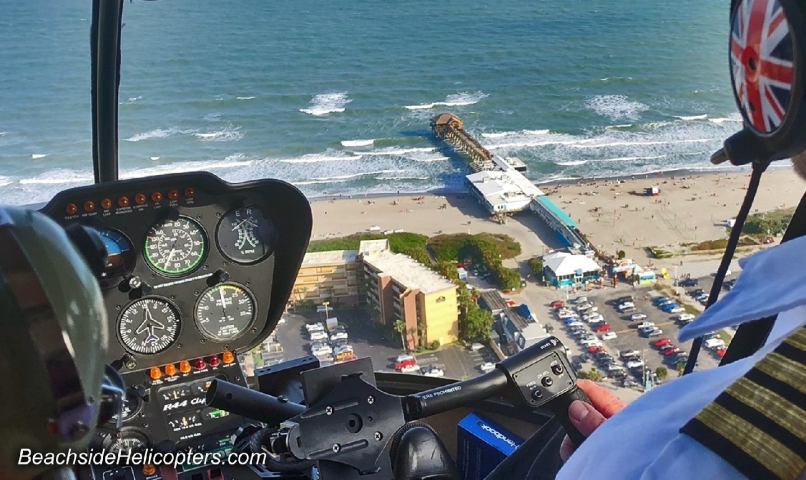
(587, 418)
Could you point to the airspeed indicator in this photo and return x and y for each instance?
(225, 312)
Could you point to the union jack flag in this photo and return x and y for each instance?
(761, 61)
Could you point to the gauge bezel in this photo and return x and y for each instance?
(212, 337)
(134, 412)
(202, 257)
(177, 312)
(225, 254)
(128, 264)
(111, 439)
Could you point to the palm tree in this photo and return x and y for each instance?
(400, 326)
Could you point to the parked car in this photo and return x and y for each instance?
(609, 336)
(403, 357)
(659, 300)
(405, 363)
(637, 316)
(684, 317)
(594, 318)
(595, 348)
(579, 300)
(604, 327)
(635, 364)
(317, 336)
(339, 336)
(475, 346)
(624, 306)
(624, 299)
(721, 351)
(670, 351)
(714, 343)
(695, 292)
(654, 333)
(487, 367)
(584, 307)
(645, 324)
(434, 372)
(661, 342)
(677, 309)
(669, 307)
(321, 349)
(557, 304)
(314, 327)
(630, 353)
(410, 369)
(689, 282)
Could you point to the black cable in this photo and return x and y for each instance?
(733, 240)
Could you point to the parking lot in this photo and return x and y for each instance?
(628, 338)
(369, 341)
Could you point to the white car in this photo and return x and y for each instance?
(594, 318)
(645, 324)
(487, 367)
(630, 353)
(566, 313)
(315, 327)
(343, 349)
(403, 357)
(575, 324)
(637, 316)
(316, 336)
(677, 310)
(625, 306)
(635, 364)
(435, 372)
(410, 369)
(476, 346)
(609, 336)
(339, 336)
(579, 300)
(684, 317)
(591, 343)
(321, 349)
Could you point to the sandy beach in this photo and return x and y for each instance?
(688, 209)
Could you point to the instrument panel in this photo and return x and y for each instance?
(196, 266)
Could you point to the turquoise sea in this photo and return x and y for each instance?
(336, 97)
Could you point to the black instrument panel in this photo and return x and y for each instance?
(196, 266)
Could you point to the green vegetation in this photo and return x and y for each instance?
(536, 264)
(621, 254)
(659, 253)
(592, 374)
(411, 244)
(485, 248)
(768, 223)
(721, 243)
(474, 322)
(400, 327)
(662, 373)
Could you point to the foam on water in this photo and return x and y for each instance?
(244, 98)
(157, 133)
(455, 100)
(325, 103)
(357, 143)
(38, 155)
(616, 107)
(693, 117)
(230, 134)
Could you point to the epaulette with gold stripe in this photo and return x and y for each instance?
(758, 423)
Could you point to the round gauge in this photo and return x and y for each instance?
(245, 235)
(225, 311)
(175, 247)
(127, 440)
(131, 407)
(149, 325)
(120, 257)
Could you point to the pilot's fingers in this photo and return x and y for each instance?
(604, 401)
(586, 419)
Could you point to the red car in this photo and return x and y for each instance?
(661, 342)
(671, 351)
(594, 349)
(721, 351)
(557, 304)
(605, 327)
(405, 363)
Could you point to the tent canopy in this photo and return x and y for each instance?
(562, 263)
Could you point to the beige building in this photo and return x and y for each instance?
(328, 277)
(400, 288)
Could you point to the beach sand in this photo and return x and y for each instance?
(688, 209)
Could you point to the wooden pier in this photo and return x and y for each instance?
(451, 129)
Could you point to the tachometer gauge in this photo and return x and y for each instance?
(245, 236)
(175, 247)
(225, 311)
(149, 325)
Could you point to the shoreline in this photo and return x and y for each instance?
(660, 174)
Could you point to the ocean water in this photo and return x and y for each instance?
(336, 97)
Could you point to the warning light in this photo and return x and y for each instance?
(155, 373)
(189, 192)
(123, 202)
(71, 208)
(198, 364)
(149, 469)
(212, 361)
(170, 369)
(106, 204)
(184, 366)
(139, 199)
(173, 194)
(228, 357)
(89, 206)
(156, 197)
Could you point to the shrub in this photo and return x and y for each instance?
(434, 345)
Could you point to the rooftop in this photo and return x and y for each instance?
(333, 257)
(562, 263)
(504, 186)
(409, 272)
(373, 246)
(493, 301)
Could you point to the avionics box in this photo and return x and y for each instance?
(481, 445)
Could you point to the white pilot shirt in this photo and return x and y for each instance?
(643, 441)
